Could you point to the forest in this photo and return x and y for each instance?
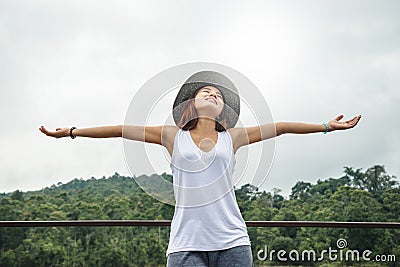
(368, 196)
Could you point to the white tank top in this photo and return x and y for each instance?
(207, 216)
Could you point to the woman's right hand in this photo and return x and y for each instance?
(60, 132)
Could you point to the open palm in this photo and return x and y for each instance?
(336, 124)
(60, 132)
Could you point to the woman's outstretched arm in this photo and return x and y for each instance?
(305, 128)
(162, 135)
(93, 132)
(249, 135)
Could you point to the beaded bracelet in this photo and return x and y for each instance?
(326, 127)
(70, 132)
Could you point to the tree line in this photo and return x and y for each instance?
(371, 195)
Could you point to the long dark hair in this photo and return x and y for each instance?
(189, 116)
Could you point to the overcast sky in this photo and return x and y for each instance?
(80, 63)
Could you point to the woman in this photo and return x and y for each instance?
(207, 228)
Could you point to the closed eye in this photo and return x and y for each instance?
(207, 91)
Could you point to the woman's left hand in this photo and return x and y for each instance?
(336, 124)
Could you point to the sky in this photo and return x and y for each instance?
(80, 63)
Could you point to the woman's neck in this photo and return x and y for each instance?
(204, 126)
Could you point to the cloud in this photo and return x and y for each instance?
(74, 63)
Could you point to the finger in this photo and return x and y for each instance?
(45, 131)
(338, 118)
(353, 119)
(57, 129)
(354, 122)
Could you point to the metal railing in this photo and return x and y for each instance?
(320, 224)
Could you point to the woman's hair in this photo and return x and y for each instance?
(189, 116)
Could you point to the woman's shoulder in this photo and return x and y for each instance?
(238, 135)
(237, 131)
(168, 136)
(169, 132)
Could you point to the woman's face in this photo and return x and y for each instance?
(209, 102)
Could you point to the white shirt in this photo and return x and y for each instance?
(207, 216)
